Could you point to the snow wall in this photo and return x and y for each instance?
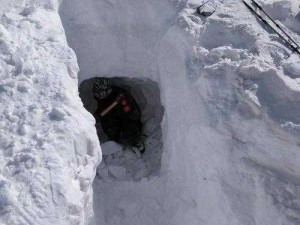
(225, 160)
(49, 149)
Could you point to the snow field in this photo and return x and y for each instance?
(225, 161)
(230, 128)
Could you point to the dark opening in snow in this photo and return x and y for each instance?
(122, 163)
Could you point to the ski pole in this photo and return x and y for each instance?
(265, 22)
(277, 25)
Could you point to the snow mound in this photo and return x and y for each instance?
(47, 159)
(292, 69)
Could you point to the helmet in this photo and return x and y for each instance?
(101, 88)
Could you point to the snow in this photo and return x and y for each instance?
(110, 148)
(292, 69)
(230, 126)
(47, 159)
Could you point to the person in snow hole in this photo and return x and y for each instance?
(119, 114)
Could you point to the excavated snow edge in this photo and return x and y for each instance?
(47, 159)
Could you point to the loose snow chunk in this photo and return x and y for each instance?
(252, 97)
(117, 172)
(57, 114)
(226, 52)
(253, 71)
(22, 130)
(111, 147)
(249, 105)
(278, 9)
(292, 69)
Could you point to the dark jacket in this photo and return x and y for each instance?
(123, 123)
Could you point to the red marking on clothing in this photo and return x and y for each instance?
(126, 109)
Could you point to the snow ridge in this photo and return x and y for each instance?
(48, 161)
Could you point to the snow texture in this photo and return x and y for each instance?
(231, 97)
(49, 148)
(227, 86)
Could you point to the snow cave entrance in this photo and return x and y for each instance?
(120, 164)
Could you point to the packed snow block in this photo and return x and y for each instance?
(292, 69)
(248, 105)
(117, 172)
(110, 148)
(279, 10)
(239, 37)
(224, 52)
(280, 94)
(255, 71)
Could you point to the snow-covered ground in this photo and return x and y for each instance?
(230, 129)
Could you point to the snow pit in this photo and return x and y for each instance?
(123, 164)
(204, 177)
(218, 165)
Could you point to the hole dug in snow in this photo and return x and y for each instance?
(118, 162)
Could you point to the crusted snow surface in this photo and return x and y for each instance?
(49, 149)
(231, 95)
